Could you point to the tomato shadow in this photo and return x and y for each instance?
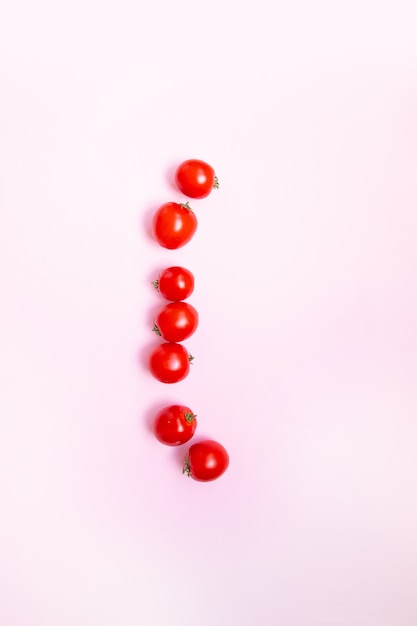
(144, 353)
(147, 418)
(150, 318)
(147, 217)
(170, 176)
(153, 275)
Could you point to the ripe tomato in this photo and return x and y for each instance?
(196, 178)
(175, 283)
(206, 460)
(176, 321)
(170, 362)
(175, 425)
(174, 225)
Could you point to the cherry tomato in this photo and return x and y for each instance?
(175, 283)
(170, 362)
(175, 425)
(176, 321)
(206, 460)
(196, 178)
(174, 225)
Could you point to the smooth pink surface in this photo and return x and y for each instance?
(306, 353)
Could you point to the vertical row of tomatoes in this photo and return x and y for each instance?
(173, 226)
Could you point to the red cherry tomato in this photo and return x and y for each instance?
(175, 283)
(174, 225)
(170, 362)
(175, 425)
(196, 178)
(176, 321)
(206, 460)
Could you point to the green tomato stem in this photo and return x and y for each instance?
(185, 205)
(187, 468)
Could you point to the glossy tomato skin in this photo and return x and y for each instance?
(176, 321)
(195, 178)
(174, 225)
(169, 362)
(175, 283)
(175, 425)
(206, 460)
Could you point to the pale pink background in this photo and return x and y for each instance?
(306, 356)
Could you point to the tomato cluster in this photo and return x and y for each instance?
(173, 226)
